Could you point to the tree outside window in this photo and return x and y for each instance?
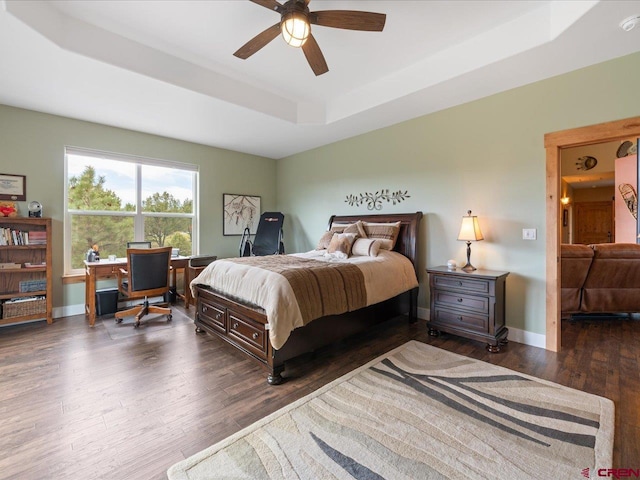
(103, 195)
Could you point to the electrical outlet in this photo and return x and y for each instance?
(529, 234)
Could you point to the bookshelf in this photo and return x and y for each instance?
(25, 270)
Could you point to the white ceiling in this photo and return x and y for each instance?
(167, 67)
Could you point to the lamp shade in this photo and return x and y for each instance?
(295, 29)
(470, 229)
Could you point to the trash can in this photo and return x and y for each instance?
(106, 301)
(170, 296)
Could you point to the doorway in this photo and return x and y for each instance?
(554, 142)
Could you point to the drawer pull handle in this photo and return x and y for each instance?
(459, 284)
(255, 336)
(459, 318)
(235, 325)
(460, 300)
(204, 309)
(218, 315)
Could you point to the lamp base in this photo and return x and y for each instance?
(468, 267)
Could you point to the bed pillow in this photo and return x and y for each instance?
(366, 247)
(340, 245)
(326, 237)
(357, 228)
(387, 233)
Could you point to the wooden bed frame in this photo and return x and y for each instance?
(243, 326)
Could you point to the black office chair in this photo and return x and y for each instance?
(268, 239)
(147, 275)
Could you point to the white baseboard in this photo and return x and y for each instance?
(515, 334)
(528, 338)
(68, 310)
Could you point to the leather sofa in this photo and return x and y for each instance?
(600, 278)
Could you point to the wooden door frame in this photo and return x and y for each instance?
(553, 143)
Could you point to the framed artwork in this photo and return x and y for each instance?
(565, 217)
(240, 211)
(13, 187)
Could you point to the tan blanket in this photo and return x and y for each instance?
(320, 288)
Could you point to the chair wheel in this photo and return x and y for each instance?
(118, 320)
(136, 325)
(169, 317)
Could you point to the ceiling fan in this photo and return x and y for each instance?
(295, 27)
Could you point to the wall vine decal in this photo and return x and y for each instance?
(374, 200)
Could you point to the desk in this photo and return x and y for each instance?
(107, 269)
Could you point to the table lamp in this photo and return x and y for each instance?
(470, 232)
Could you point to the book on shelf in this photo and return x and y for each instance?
(25, 299)
(4, 266)
(37, 237)
(35, 265)
(13, 237)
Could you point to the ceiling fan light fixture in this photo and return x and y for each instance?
(295, 28)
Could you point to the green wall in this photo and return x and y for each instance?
(32, 144)
(487, 156)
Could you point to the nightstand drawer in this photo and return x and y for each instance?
(467, 321)
(460, 300)
(454, 283)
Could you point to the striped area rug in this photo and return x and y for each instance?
(421, 412)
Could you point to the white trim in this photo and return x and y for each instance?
(527, 338)
(123, 157)
(68, 310)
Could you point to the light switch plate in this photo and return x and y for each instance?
(529, 234)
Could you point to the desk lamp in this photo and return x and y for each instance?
(470, 232)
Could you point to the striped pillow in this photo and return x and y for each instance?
(366, 247)
(387, 233)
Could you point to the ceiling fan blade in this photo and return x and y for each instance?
(314, 56)
(257, 42)
(349, 19)
(270, 4)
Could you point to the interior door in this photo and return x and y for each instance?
(593, 222)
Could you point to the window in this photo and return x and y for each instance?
(112, 199)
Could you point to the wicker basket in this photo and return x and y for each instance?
(28, 307)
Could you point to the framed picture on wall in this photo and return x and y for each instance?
(13, 187)
(565, 217)
(240, 212)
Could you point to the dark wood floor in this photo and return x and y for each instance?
(77, 404)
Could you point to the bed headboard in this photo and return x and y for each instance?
(407, 243)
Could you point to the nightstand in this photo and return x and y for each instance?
(469, 304)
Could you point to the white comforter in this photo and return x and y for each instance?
(386, 276)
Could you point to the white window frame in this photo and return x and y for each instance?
(138, 215)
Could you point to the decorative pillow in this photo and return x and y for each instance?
(387, 233)
(340, 245)
(326, 237)
(366, 247)
(357, 228)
